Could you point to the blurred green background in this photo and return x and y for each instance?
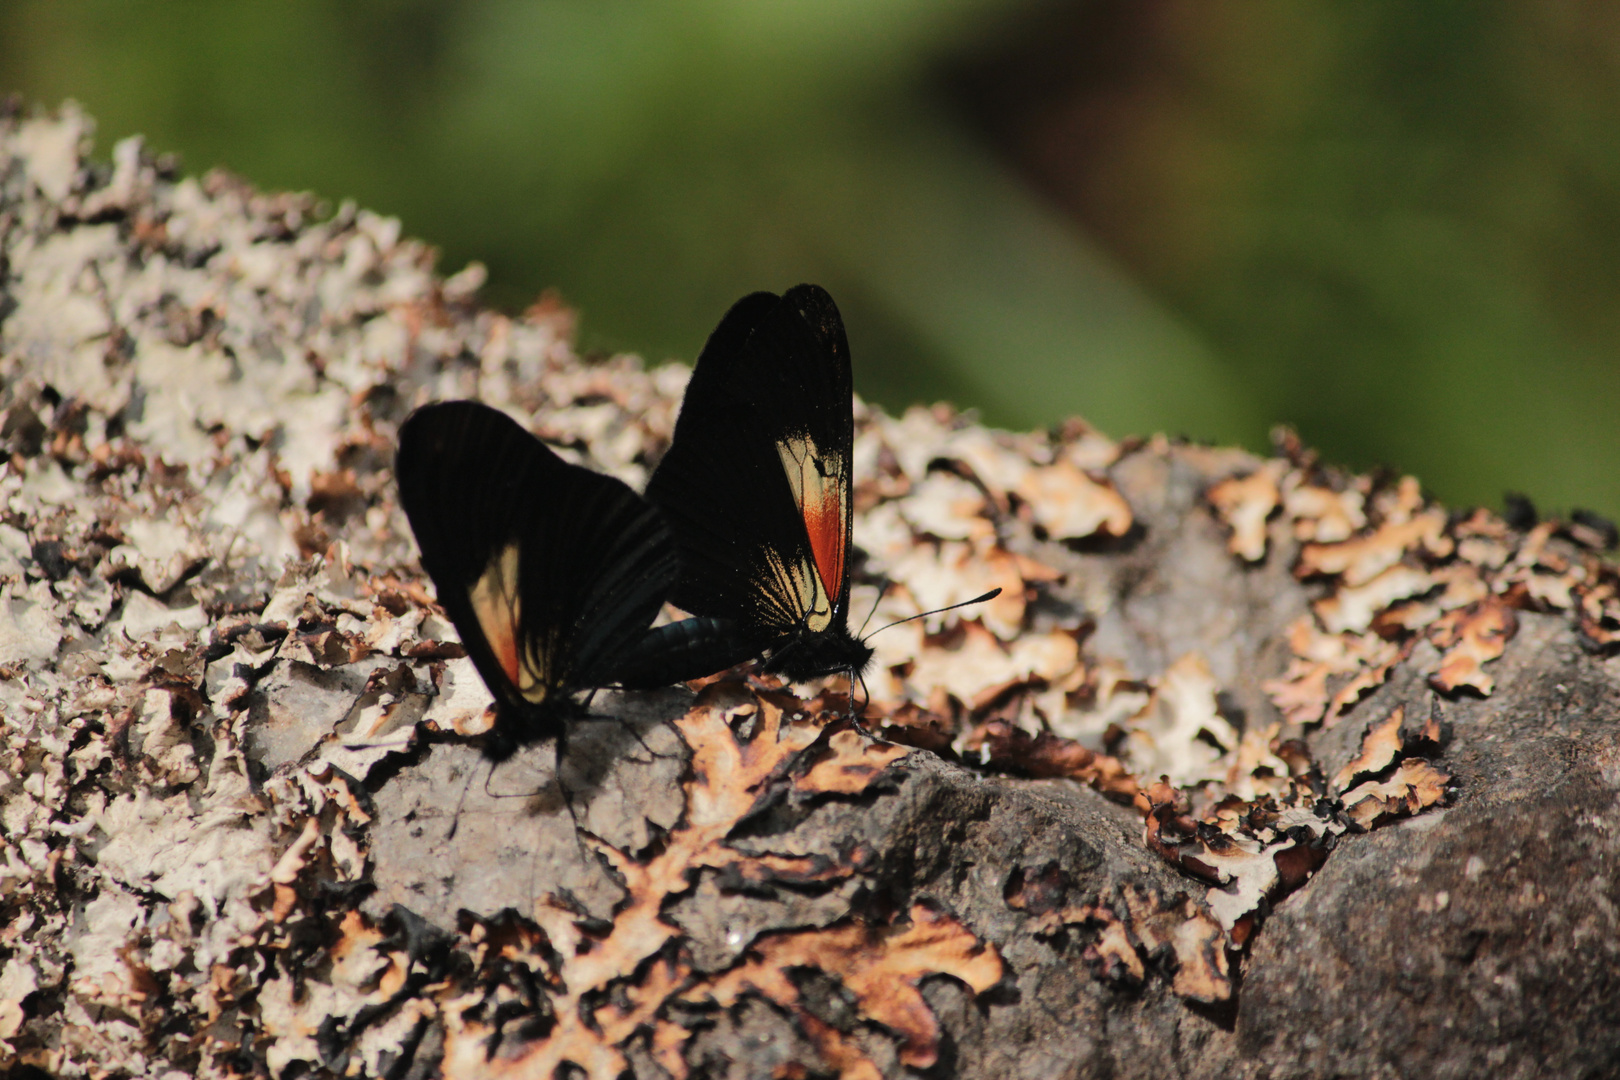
(1394, 225)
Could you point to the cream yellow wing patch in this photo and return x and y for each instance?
(499, 607)
(820, 485)
(800, 580)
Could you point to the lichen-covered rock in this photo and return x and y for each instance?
(1254, 768)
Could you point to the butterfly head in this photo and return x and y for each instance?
(810, 655)
(519, 724)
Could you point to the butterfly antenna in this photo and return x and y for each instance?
(504, 794)
(455, 822)
(991, 595)
(568, 803)
(883, 588)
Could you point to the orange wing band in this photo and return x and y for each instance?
(824, 522)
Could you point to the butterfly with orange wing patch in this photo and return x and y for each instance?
(756, 487)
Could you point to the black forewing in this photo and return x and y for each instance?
(594, 560)
(775, 367)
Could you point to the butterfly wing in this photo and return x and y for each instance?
(756, 484)
(549, 571)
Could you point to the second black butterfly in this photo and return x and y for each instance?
(551, 573)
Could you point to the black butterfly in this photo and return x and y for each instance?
(756, 490)
(550, 572)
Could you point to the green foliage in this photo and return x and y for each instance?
(1391, 224)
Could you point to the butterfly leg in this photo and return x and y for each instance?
(655, 755)
(855, 715)
(455, 822)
